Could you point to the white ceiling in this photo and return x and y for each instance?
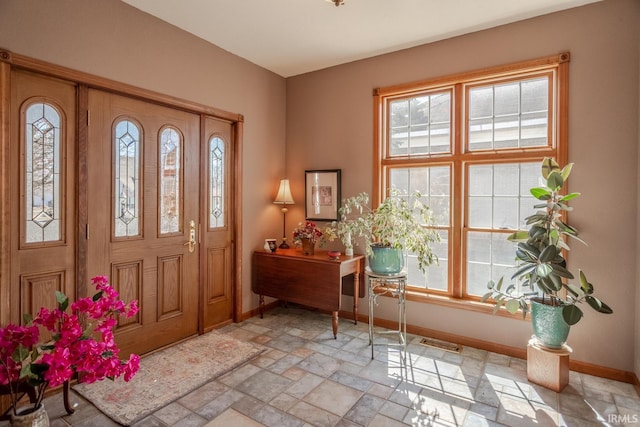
(291, 37)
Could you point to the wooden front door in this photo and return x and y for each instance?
(143, 214)
(41, 214)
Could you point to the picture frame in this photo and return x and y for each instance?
(322, 194)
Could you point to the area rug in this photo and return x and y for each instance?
(167, 375)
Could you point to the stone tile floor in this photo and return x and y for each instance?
(308, 378)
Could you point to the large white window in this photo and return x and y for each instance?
(472, 144)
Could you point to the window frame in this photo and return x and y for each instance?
(461, 157)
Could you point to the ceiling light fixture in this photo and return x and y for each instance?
(336, 2)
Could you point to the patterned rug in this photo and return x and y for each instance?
(167, 375)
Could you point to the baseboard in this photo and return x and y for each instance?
(256, 311)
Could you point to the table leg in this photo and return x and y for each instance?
(261, 306)
(356, 296)
(334, 324)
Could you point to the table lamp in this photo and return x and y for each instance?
(284, 198)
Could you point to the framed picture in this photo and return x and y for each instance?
(322, 194)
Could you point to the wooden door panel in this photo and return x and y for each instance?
(153, 264)
(39, 268)
(217, 223)
(170, 274)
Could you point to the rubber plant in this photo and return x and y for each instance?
(540, 255)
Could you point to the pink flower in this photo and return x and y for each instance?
(307, 231)
(82, 342)
(131, 367)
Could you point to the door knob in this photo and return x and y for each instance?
(192, 236)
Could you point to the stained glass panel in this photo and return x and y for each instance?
(42, 174)
(170, 173)
(216, 182)
(127, 179)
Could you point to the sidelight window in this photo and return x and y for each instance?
(216, 182)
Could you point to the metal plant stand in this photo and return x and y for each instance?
(394, 285)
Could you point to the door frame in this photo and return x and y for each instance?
(85, 81)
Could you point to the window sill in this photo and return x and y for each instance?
(470, 305)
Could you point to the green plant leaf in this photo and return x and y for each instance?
(566, 171)
(20, 354)
(586, 287)
(512, 306)
(63, 301)
(571, 314)
(569, 196)
(555, 181)
(561, 271)
(540, 193)
(519, 236)
(497, 306)
(548, 254)
(543, 270)
(598, 305)
(486, 296)
(574, 290)
(548, 165)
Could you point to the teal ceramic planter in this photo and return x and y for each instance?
(549, 326)
(386, 260)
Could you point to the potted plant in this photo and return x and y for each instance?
(542, 267)
(82, 346)
(397, 225)
(307, 235)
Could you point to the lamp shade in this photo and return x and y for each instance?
(284, 196)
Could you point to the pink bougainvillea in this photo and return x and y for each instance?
(82, 343)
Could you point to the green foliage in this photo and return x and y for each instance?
(542, 267)
(401, 222)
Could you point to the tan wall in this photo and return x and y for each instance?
(111, 39)
(329, 125)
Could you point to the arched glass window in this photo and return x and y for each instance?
(170, 180)
(42, 148)
(216, 182)
(126, 194)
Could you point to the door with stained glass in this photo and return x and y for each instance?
(217, 214)
(42, 214)
(143, 214)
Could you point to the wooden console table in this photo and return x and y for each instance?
(312, 280)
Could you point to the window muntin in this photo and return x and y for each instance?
(42, 174)
(503, 122)
(216, 182)
(170, 180)
(127, 148)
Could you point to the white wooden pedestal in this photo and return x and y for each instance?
(548, 367)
